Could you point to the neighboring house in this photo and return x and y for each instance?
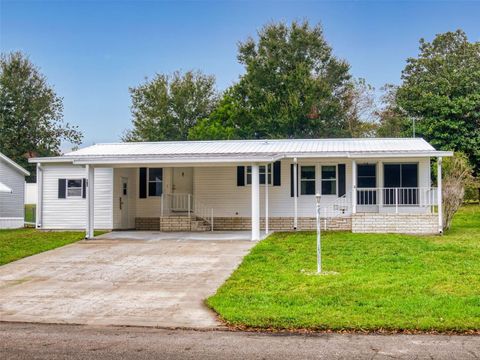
(366, 185)
(12, 181)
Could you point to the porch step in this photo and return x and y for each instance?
(198, 224)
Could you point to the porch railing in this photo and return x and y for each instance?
(186, 204)
(398, 197)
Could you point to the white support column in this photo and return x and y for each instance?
(379, 185)
(439, 195)
(266, 198)
(90, 202)
(354, 187)
(255, 202)
(38, 209)
(295, 193)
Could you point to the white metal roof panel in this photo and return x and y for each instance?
(250, 147)
(245, 150)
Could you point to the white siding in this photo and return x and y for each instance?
(71, 213)
(217, 188)
(11, 204)
(151, 206)
(132, 175)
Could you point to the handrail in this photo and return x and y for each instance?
(203, 211)
(398, 197)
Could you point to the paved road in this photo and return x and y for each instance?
(42, 341)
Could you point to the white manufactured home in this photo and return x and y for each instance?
(366, 185)
(12, 183)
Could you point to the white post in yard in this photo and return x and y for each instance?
(295, 191)
(90, 201)
(319, 243)
(266, 199)
(38, 210)
(354, 187)
(439, 195)
(255, 202)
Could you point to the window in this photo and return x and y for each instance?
(366, 180)
(248, 174)
(404, 177)
(366, 176)
(329, 180)
(307, 180)
(74, 188)
(155, 181)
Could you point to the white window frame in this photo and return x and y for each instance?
(67, 196)
(314, 180)
(154, 181)
(248, 171)
(322, 180)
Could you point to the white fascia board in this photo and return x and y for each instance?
(14, 164)
(400, 154)
(173, 160)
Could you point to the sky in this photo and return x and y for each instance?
(92, 51)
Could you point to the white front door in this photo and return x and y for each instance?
(182, 188)
(124, 202)
(182, 180)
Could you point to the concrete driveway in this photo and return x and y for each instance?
(120, 282)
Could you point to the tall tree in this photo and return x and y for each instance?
(441, 91)
(166, 107)
(292, 86)
(392, 120)
(31, 114)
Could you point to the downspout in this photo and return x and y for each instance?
(38, 210)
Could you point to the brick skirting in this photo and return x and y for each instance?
(395, 223)
(282, 223)
(182, 223)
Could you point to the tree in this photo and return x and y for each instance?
(359, 103)
(166, 107)
(292, 87)
(441, 91)
(392, 121)
(457, 175)
(31, 114)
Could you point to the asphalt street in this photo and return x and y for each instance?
(44, 341)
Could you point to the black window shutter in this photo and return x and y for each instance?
(342, 187)
(84, 188)
(62, 184)
(277, 173)
(240, 175)
(291, 180)
(142, 183)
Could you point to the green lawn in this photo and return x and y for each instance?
(19, 243)
(30, 213)
(384, 282)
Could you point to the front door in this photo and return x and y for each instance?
(124, 202)
(182, 180)
(182, 189)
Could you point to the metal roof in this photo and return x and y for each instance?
(246, 150)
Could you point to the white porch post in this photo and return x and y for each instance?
(354, 187)
(38, 210)
(439, 195)
(295, 192)
(380, 184)
(266, 198)
(255, 202)
(90, 202)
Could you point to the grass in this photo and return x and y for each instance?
(19, 243)
(30, 213)
(385, 282)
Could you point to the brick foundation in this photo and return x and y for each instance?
(167, 223)
(282, 223)
(395, 223)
